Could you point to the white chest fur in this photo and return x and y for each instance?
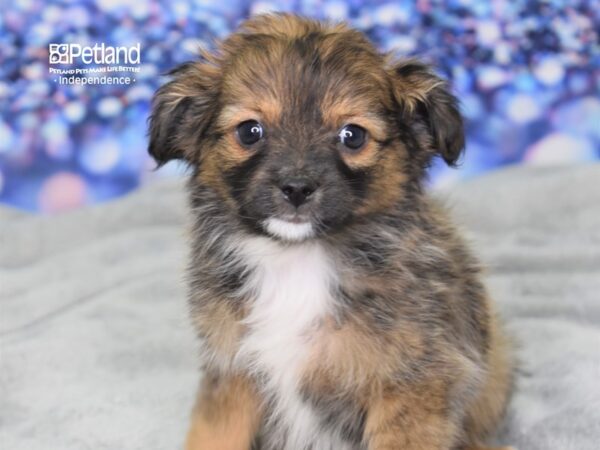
(291, 290)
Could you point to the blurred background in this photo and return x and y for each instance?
(526, 72)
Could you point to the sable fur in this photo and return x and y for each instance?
(373, 331)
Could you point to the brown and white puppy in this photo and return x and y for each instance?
(337, 307)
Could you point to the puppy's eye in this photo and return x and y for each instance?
(353, 137)
(249, 132)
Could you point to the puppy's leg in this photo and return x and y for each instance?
(226, 416)
(410, 419)
(489, 448)
(488, 407)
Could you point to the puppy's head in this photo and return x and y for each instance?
(300, 128)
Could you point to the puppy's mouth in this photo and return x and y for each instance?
(293, 228)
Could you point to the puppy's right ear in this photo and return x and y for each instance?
(182, 111)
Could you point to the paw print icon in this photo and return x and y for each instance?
(58, 54)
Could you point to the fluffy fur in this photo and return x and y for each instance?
(289, 231)
(354, 319)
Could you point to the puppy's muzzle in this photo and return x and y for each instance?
(298, 191)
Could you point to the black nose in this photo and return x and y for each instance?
(297, 191)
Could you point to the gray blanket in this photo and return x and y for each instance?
(97, 352)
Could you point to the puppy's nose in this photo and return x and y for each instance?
(297, 191)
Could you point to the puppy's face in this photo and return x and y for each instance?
(301, 128)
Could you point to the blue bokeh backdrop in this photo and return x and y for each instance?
(527, 74)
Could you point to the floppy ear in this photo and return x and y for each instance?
(422, 93)
(182, 111)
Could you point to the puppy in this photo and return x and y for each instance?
(337, 307)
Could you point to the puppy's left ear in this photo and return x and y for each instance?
(182, 111)
(422, 94)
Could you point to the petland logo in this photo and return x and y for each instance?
(98, 54)
(103, 58)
